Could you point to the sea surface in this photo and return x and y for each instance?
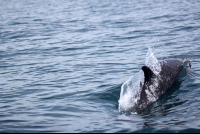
(63, 62)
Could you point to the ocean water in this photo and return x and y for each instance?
(63, 62)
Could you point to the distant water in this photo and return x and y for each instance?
(63, 62)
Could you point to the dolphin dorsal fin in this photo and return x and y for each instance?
(148, 73)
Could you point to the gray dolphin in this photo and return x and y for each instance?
(155, 85)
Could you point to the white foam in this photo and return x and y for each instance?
(130, 91)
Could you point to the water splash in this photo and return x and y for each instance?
(152, 62)
(131, 89)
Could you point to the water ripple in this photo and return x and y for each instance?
(62, 64)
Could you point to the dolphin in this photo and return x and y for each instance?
(157, 84)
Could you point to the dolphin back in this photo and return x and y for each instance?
(155, 85)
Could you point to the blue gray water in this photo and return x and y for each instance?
(63, 62)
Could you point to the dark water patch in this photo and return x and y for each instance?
(78, 48)
(6, 106)
(8, 96)
(74, 20)
(95, 131)
(38, 20)
(194, 87)
(184, 28)
(112, 64)
(110, 95)
(13, 120)
(19, 23)
(56, 115)
(84, 30)
(59, 96)
(189, 130)
(167, 16)
(126, 38)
